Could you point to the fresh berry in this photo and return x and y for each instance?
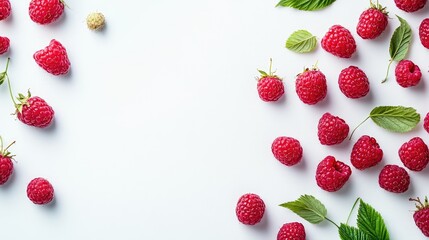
(394, 179)
(270, 87)
(407, 73)
(311, 86)
(4, 44)
(45, 11)
(250, 209)
(414, 154)
(5, 9)
(6, 164)
(410, 5)
(291, 231)
(34, 111)
(372, 22)
(339, 41)
(40, 191)
(424, 32)
(426, 123)
(332, 130)
(331, 175)
(353, 82)
(287, 150)
(53, 58)
(421, 215)
(366, 153)
(95, 21)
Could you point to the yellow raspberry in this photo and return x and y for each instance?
(95, 21)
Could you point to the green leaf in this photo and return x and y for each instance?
(400, 41)
(351, 233)
(309, 208)
(264, 74)
(370, 222)
(395, 118)
(301, 41)
(306, 5)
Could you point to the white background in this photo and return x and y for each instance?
(159, 129)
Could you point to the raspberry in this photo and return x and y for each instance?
(426, 123)
(287, 150)
(372, 22)
(311, 86)
(394, 179)
(45, 11)
(353, 82)
(407, 73)
(40, 191)
(34, 111)
(250, 209)
(421, 215)
(410, 5)
(414, 154)
(332, 130)
(6, 165)
(95, 21)
(270, 87)
(53, 58)
(339, 42)
(424, 32)
(291, 231)
(366, 153)
(331, 175)
(4, 44)
(5, 9)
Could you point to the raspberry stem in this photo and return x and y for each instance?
(8, 83)
(271, 67)
(329, 220)
(351, 211)
(388, 70)
(351, 135)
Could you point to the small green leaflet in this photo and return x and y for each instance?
(301, 41)
(399, 43)
(306, 5)
(370, 222)
(351, 233)
(309, 208)
(394, 118)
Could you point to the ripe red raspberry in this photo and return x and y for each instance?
(366, 153)
(424, 32)
(311, 86)
(331, 175)
(421, 215)
(6, 164)
(5, 9)
(53, 58)
(410, 5)
(45, 11)
(407, 73)
(372, 22)
(270, 87)
(332, 130)
(339, 41)
(414, 154)
(40, 191)
(353, 82)
(426, 123)
(4, 44)
(394, 179)
(34, 111)
(287, 150)
(291, 231)
(250, 209)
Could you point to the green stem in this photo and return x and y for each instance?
(271, 66)
(351, 135)
(8, 83)
(1, 144)
(388, 70)
(332, 222)
(351, 211)
(8, 146)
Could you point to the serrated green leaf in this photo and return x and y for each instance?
(400, 41)
(306, 5)
(395, 118)
(370, 222)
(351, 233)
(301, 41)
(309, 208)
